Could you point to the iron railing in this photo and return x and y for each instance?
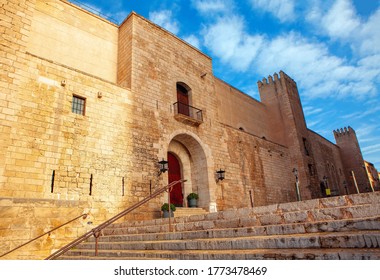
(96, 232)
(94, 10)
(188, 111)
(48, 232)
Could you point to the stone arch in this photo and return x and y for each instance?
(195, 162)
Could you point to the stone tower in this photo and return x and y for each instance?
(280, 95)
(352, 159)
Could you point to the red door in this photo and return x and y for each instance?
(176, 196)
(183, 101)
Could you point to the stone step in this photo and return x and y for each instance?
(185, 212)
(299, 228)
(252, 254)
(346, 227)
(235, 219)
(358, 239)
(332, 208)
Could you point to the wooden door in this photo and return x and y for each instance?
(183, 101)
(176, 195)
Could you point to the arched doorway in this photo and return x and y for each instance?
(175, 174)
(188, 150)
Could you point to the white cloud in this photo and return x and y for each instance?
(213, 6)
(193, 40)
(309, 110)
(165, 19)
(371, 149)
(365, 130)
(370, 35)
(228, 40)
(321, 73)
(341, 20)
(284, 10)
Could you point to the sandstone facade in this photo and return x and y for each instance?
(56, 165)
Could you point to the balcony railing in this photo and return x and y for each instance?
(187, 114)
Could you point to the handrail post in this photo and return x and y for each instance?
(96, 246)
(96, 235)
(170, 211)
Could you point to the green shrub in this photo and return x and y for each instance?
(192, 196)
(165, 207)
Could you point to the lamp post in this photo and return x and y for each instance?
(354, 178)
(369, 181)
(163, 167)
(295, 172)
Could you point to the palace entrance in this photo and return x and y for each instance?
(187, 160)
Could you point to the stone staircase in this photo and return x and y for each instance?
(344, 227)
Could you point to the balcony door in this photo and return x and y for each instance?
(183, 100)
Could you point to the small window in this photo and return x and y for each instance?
(79, 105)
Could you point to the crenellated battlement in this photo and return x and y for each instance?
(346, 131)
(269, 81)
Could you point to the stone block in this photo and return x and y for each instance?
(365, 198)
(261, 210)
(231, 223)
(326, 214)
(342, 241)
(364, 210)
(296, 217)
(337, 201)
(299, 205)
(372, 240)
(208, 225)
(270, 219)
(248, 222)
(228, 215)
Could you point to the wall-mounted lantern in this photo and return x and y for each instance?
(220, 175)
(163, 166)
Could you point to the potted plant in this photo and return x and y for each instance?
(192, 200)
(165, 210)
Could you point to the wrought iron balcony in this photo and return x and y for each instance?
(187, 114)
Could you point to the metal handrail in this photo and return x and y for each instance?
(48, 232)
(97, 230)
(189, 111)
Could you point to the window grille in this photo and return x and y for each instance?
(79, 105)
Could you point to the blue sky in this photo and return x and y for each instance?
(331, 48)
